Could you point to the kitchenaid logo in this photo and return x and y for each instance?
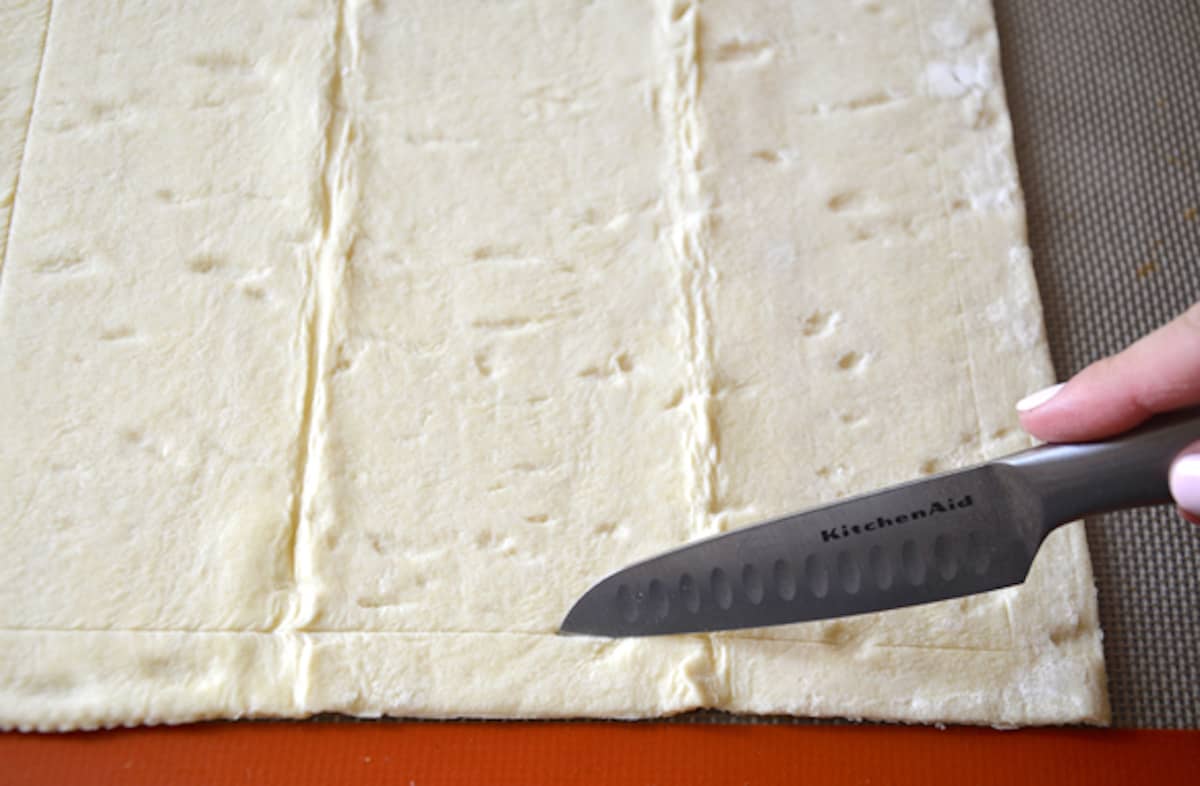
(846, 530)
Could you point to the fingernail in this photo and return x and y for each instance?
(1034, 400)
(1185, 482)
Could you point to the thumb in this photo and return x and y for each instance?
(1159, 373)
(1185, 482)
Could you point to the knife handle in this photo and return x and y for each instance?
(1127, 471)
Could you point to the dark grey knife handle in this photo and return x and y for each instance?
(1129, 470)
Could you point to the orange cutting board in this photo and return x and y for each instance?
(663, 754)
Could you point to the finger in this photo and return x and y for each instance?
(1185, 482)
(1159, 373)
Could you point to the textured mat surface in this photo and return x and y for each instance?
(1105, 102)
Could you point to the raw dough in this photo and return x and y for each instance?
(343, 346)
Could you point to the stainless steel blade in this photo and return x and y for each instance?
(954, 535)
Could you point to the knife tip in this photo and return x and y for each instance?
(581, 619)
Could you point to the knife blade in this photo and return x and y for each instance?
(946, 536)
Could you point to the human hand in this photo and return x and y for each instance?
(1158, 373)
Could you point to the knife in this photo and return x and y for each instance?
(953, 534)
